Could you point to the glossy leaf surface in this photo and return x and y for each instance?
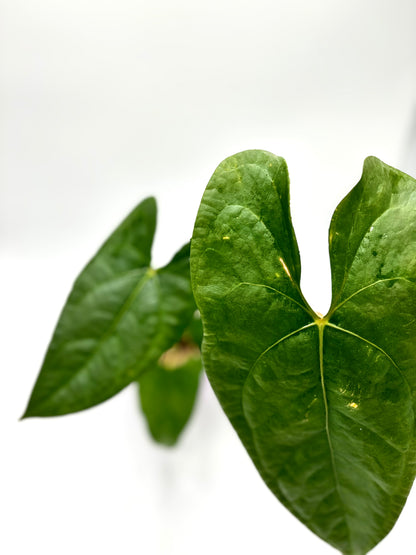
(324, 405)
(121, 315)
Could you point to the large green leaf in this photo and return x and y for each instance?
(324, 405)
(119, 318)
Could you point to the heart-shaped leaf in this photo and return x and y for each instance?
(120, 317)
(323, 405)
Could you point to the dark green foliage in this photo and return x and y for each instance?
(168, 391)
(324, 405)
(120, 317)
(167, 397)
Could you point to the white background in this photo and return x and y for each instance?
(105, 102)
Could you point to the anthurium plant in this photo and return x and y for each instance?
(324, 405)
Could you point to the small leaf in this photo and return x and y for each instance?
(120, 317)
(168, 391)
(324, 406)
(167, 395)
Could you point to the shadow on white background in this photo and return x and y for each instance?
(104, 103)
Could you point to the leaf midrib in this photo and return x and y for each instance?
(102, 284)
(321, 328)
(150, 273)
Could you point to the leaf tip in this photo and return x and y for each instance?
(35, 409)
(372, 162)
(27, 414)
(150, 201)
